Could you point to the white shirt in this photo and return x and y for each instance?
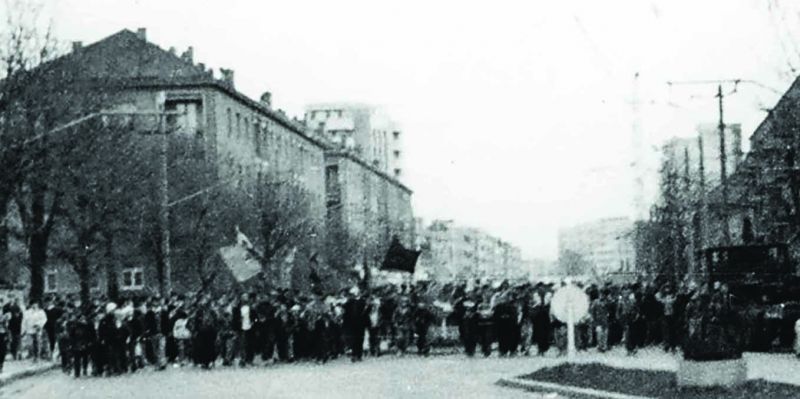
(246, 322)
(33, 318)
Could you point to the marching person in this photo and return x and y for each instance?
(5, 317)
(355, 323)
(423, 318)
(598, 310)
(34, 319)
(14, 312)
(628, 313)
(82, 337)
(402, 320)
(542, 324)
(374, 325)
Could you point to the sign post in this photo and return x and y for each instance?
(570, 304)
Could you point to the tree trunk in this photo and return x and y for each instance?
(112, 278)
(37, 248)
(84, 279)
(5, 269)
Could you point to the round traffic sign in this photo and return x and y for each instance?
(569, 298)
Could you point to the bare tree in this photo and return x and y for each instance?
(27, 108)
(102, 182)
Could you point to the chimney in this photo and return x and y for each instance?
(227, 76)
(188, 55)
(76, 46)
(141, 33)
(172, 50)
(266, 99)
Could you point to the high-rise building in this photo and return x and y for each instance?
(364, 130)
(602, 246)
(450, 251)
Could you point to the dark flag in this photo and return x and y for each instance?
(400, 258)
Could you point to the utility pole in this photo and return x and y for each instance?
(723, 176)
(163, 210)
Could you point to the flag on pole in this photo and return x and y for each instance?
(400, 258)
(239, 258)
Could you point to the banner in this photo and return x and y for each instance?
(400, 258)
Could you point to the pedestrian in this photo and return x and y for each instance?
(205, 334)
(244, 320)
(668, 322)
(542, 323)
(5, 317)
(82, 337)
(355, 323)
(628, 313)
(283, 328)
(34, 320)
(598, 310)
(107, 336)
(423, 319)
(403, 324)
(374, 325)
(14, 312)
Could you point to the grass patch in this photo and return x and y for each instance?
(653, 383)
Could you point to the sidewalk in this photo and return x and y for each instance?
(16, 369)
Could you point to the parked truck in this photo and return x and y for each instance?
(765, 288)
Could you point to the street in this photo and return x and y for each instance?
(388, 376)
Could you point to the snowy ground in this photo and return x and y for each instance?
(393, 377)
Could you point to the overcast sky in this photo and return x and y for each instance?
(516, 115)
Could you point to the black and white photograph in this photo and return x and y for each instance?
(344, 199)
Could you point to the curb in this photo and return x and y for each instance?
(533, 385)
(5, 380)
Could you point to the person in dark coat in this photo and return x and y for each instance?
(505, 319)
(14, 311)
(467, 310)
(108, 336)
(266, 327)
(355, 323)
(542, 323)
(53, 310)
(283, 330)
(423, 319)
(205, 335)
(82, 337)
(4, 320)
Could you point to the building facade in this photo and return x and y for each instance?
(453, 252)
(249, 143)
(605, 245)
(366, 131)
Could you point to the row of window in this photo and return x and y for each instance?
(132, 279)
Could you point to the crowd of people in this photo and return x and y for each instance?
(110, 338)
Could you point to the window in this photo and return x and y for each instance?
(230, 123)
(397, 153)
(187, 118)
(132, 278)
(238, 125)
(51, 281)
(257, 131)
